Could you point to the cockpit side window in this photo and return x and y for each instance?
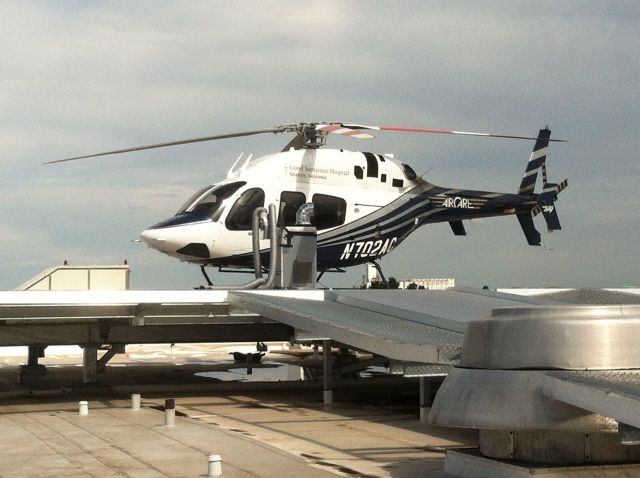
(240, 216)
(211, 203)
(290, 202)
(408, 172)
(328, 211)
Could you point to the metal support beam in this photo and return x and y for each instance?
(227, 329)
(425, 398)
(89, 364)
(327, 372)
(108, 355)
(359, 365)
(35, 352)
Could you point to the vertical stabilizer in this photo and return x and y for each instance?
(547, 198)
(529, 229)
(536, 162)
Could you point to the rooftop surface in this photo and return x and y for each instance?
(259, 429)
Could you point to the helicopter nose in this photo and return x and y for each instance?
(157, 239)
(176, 241)
(151, 237)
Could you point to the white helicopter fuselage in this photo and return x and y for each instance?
(214, 226)
(364, 204)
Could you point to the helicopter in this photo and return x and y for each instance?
(364, 204)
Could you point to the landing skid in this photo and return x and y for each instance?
(336, 269)
(243, 270)
(379, 269)
(204, 273)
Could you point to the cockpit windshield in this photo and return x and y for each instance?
(208, 201)
(193, 198)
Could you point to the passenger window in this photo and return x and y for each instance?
(289, 203)
(239, 218)
(372, 165)
(358, 172)
(408, 171)
(328, 211)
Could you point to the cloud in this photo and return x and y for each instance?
(84, 77)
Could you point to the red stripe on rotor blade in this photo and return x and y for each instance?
(330, 128)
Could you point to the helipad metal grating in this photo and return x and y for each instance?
(612, 393)
(449, 309)
(382, 334)
(593, 296)
(410, 369)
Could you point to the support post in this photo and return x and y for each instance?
(35, 352)
(33, 368)
(425, 398)
(136, 399)
(170, 412)
(215, 466)
(89, 364)
(327, 372)
(249, 360)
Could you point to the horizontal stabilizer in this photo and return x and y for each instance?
(562, 185)
(458, 228)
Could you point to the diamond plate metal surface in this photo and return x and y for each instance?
(375, 332)
(411, 369)
(373, 324)
(625, 383)
(611, 393)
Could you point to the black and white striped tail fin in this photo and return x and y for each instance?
(537, 161)
(547, 197)
(530, 232)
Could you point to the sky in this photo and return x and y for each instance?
(83, 77)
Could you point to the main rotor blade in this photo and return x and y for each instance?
(276, 129)
(443, 131)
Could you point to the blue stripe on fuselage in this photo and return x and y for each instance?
(181, 219)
